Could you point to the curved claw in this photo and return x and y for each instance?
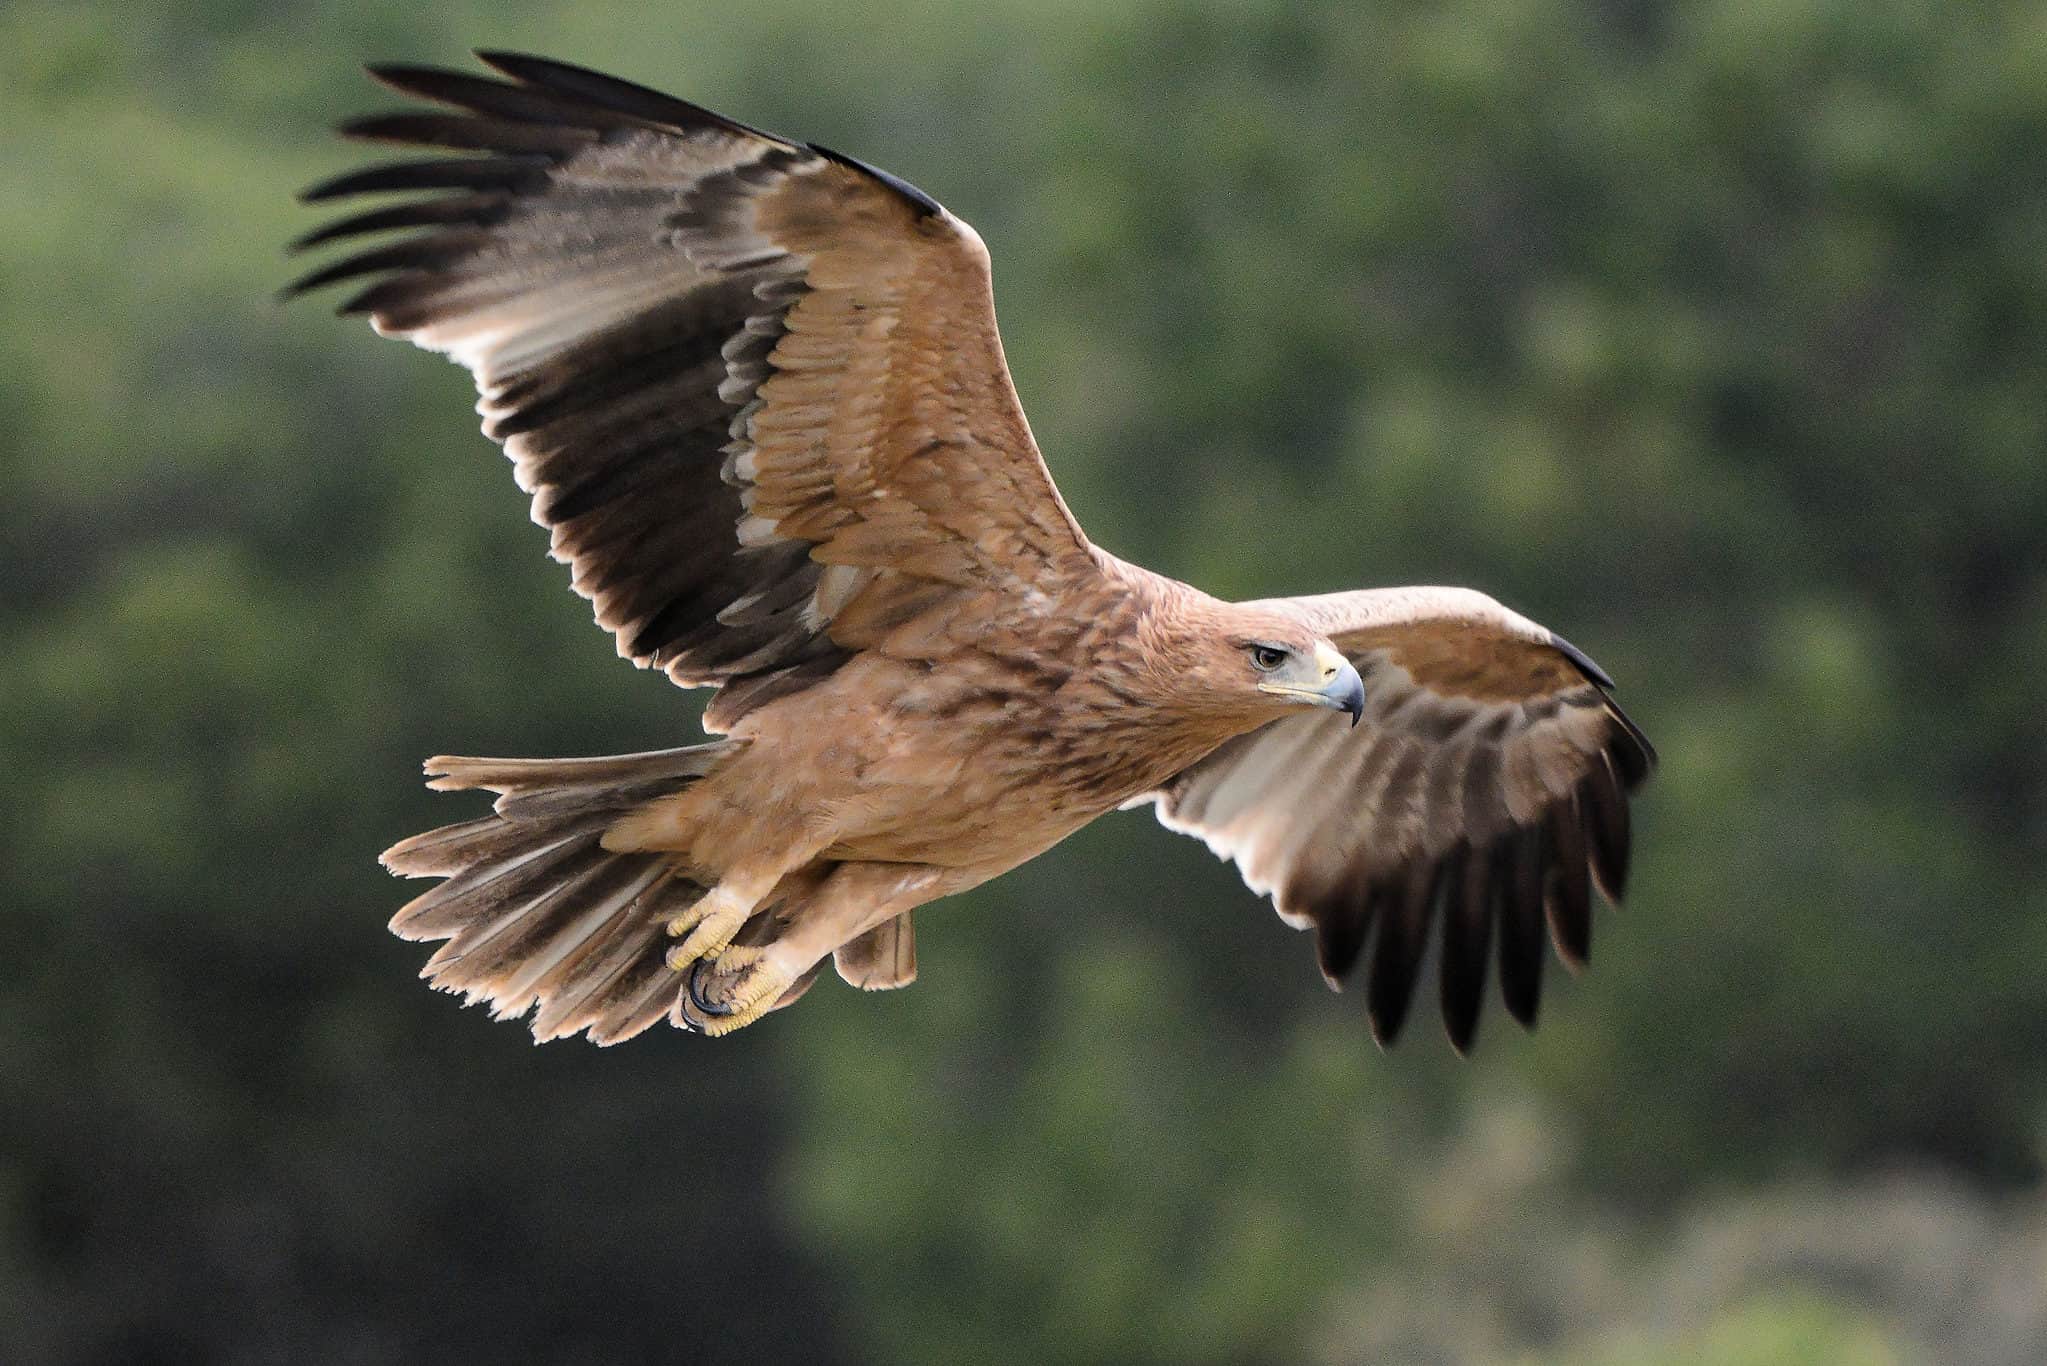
(754, 991)
(696, 995)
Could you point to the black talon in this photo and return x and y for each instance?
(696, 997)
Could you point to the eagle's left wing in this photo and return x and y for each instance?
(1486, 787)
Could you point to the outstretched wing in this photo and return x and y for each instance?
(1486, 788)
(754, 387)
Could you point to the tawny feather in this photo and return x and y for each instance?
(756, 393)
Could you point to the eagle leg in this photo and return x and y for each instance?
(708, 926)
(719, 1000)
(785, 949)
(703, 1009)
(882, 959)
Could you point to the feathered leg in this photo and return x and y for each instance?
(882, 959)
(709, 925)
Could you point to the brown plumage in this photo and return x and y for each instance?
(756, 392)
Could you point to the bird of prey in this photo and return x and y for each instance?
(755, 390)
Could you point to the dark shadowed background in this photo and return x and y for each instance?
(1713, 335)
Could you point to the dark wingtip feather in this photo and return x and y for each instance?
(393, 125)
(418, 253)
(1469, 896)
(409, 78)
(501, 100)
(1337, 945)
(1567, 902)
(1631, 750)
(1521, 938)
(468, 132)
(1521, 987)
(1607, 828)
(440, 173)
(399, 291)
(478, 210)
(1397, 953)
(1340, 927)
(611, 93)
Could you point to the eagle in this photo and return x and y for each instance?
(755, 390)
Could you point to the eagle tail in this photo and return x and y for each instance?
(535, 911)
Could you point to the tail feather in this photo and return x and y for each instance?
(642, 996)
(566, 936)
(487, 957)
(570, 799)
(453, 773)
(535, 911)
(450, 849)
(474, 896)
(580, 990)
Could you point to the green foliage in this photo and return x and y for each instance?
(1767, 1332)
(1713, 335)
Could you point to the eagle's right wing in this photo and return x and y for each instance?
(754, 387)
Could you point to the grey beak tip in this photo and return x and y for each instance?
(1353, 700)
(1344, 692)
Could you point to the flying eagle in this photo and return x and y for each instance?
(756, 392)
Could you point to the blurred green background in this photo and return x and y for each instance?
(1713, 335)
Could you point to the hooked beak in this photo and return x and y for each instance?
(1341, 689)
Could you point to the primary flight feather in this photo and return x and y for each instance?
(756, 392)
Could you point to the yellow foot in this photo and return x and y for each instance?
(727, 995)
(708, 926)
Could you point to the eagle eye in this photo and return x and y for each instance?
(1266, 658)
